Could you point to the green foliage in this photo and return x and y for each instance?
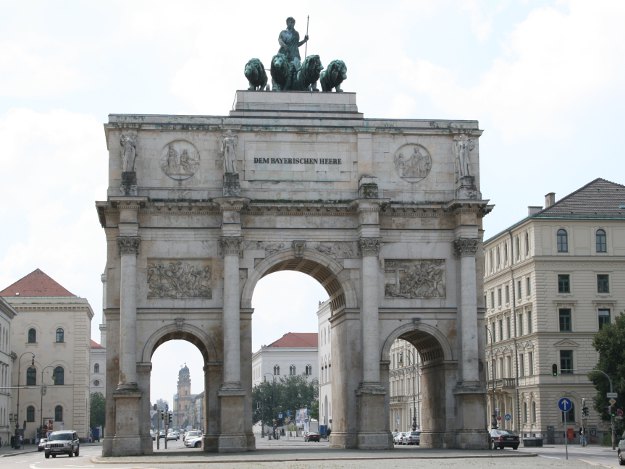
(97, 409)
(284, 396)
(610, 343)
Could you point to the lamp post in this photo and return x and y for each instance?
(611, 416)
(493, 421)
(17, 415)
(43, 390)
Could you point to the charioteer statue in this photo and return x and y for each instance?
(289, 73)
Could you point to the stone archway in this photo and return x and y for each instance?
(380, 212)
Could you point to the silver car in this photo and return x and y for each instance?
(62, 442)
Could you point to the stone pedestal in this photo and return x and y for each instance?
(373, 432)
(234, 436)
(471, 405)
(127, 439)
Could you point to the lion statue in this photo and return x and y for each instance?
(256, 75)
(333, 76)
(308, 74)
(282, 72)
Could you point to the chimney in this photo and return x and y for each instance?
(550, 199)
(533, 210)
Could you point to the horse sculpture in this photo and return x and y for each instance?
(308, 74)
(256, 75)
(333, 76)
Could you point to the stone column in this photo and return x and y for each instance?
(128, 250)
(231, 313)
(466, 249)
(370, 248)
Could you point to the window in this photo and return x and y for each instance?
(58, 413)
(492, 299)
(566, 362)
(276, 370)
(520, 329)
(564, 283)
(96, 368)
(96, 382)
(562, 241)
(530, 363)
(508, 328)
(58, 376)
(519, 291)
(32, 336)
(529, 322)
(603, 283)
(505, 254)
(308, 371)
(600, 241)
(564, 315)
(292, 370)
(31, 376)
(499, 297)
(521, 365)
(507, 293)
(528, 286)
(30, 413)
(501, 329)
(533, 412)
(527, 244)
(498, 254)
(525, 412)
(604, 317)
(60, 335)
(517, 247)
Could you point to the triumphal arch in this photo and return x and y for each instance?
(386, 214)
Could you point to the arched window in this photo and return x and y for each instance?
(96, 368)
(563, 240)
(60, 335)
(32, 336)
(292, 370)
(533, 412)
(58, 376)
(308, 371)
(601, 241)
(31, 376)
(58, 413)
(276, 370)
(30, 413)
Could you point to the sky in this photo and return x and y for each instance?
(545, 80)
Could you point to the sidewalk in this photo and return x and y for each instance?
(7, 450)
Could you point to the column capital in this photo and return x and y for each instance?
(230, 245)
(128, 244)
(369, 246)
(466, 246)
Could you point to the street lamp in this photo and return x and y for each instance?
(43, 389)
(493, 421)
(17, 415)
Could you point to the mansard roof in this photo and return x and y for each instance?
(296, 339)
(36, 284)
(597, 199)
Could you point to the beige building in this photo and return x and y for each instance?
(404, 386)
(51, 343)
(7, 313)
(97, 364)
(551, 282)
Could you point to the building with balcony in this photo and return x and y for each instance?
(552, 280)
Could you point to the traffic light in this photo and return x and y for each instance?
(554, 369)
(170, 417)
(584, 408)
(162, 415)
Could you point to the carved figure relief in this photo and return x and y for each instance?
(180, 160)
(414, 278)
(229, 152)
(413, 162)
(463, 145)
(128, 143)
(179, 279)
(339, 249)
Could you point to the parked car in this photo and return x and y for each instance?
(42, 444)
(174, 435)
(193, 441)
(620, 452)
(503, 439)
(413, 438)
(191, 434)
(312, 436)
(62, 442)
(397, 438)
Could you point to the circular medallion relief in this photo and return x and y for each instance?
(180, 160)
(413, 162)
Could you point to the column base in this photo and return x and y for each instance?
(372, 417)
(233, 436)
(127, 440)
(343, 440)
(126, 446)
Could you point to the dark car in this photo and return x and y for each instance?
(503, 439)
(620, 453)
(62, 442)
(312, 436)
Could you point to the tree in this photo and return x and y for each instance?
(97, 409)
(283, 396)
(610, 343)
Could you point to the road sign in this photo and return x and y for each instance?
(508, 417)
(612, 401)
(619, 412)
(611, 395)
(564, 404)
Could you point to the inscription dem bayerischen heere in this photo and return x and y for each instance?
(295, 160)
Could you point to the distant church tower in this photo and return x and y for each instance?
(183, 399)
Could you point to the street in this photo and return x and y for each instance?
(295, 453)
